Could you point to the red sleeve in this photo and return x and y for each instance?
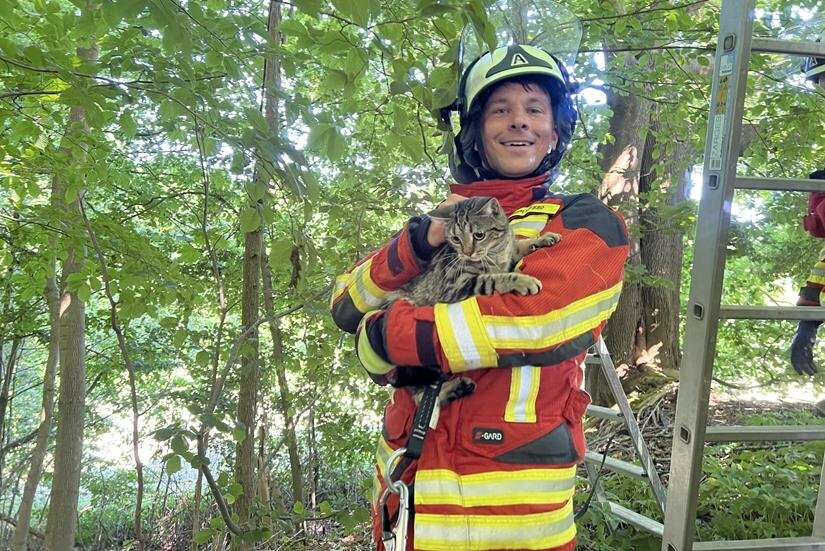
(581, 282)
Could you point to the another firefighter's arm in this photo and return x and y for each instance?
(581, 281)
(364, 287)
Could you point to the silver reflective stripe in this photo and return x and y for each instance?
(365, 296)
(538, 333)
(463, 337)
(525, 386)
(480, 532)
(441, 487)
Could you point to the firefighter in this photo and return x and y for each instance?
(811, 294)
(498, 469)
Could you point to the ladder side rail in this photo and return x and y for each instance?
(748, 312)
(642, 451)
(780, 184)
(790, 47)
(721, 149)
(819, 512)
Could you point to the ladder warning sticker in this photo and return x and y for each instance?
(726, 64)
(716, 142)
(719, 117)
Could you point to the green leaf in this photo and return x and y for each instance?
(325, 508)
(292, 27)
(299, 508)
(239, 434)
(356, 10)
(336, 145)
(165, 433)
(173, 465)
(311, 7)
(250, 220)
(84, 292)
(179, 444)
(204, 535)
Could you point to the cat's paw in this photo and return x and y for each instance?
(456, 388)
(526, 285)
(546, 240)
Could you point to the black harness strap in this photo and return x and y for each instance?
(420, 426)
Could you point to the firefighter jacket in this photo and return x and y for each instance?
(498, 469)
(814, 219)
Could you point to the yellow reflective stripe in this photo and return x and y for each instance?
(371, 361)
(382, 454)
(463, 336)
(478, 532)
(542, 331)
(524, 389)
(339, 288)
(529, 226)
(498, 488)
(544, 208)
(818, 274)
(365, 294)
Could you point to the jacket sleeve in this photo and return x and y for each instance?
(364, 288)
(581, 280)
(814, 219)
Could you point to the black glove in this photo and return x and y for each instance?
(802, 347)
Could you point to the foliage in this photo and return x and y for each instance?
(166, 174)
(748, 491)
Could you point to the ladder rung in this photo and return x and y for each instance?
(793, 47)
(736, 311)
(636, 519)
(795, 544)
(776, 433)
(604, 413)
(616, 465)
(779, 184)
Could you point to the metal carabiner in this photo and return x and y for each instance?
(394, 538)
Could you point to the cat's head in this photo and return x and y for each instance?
(476, 228)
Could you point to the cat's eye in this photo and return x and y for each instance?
(478, 235)
(455, 239)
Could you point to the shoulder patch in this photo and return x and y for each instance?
(586, 211)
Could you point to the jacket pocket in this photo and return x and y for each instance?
(395, 427)
(543, 443)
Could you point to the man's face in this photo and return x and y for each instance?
(517, 129)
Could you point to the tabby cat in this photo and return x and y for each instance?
(478, 259)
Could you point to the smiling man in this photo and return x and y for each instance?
(497, 469)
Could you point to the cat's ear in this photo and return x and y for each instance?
(490, 206)
(444, 213)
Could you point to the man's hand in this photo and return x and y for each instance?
(802, 347)
(435, 234)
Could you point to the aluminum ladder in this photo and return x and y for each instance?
(734, 48)
(646, 470)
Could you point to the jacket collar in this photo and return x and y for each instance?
(511, 194)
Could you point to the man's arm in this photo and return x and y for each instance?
(364, 287)
(581, 282)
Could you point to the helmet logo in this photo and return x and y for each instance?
(516, 56)
(518, 59)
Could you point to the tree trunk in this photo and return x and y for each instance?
(662, 250)
(21, 533)
(6, 376)
(284, 396)
(61, 523)
(249, 379)
(250, 364)
(621, 161)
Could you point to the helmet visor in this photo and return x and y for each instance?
(541, 23)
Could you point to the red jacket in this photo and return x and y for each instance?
(814, 221)
(498, 471)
